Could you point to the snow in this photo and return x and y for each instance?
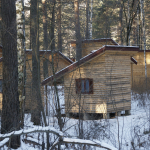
(121, 132)
(96, 142)
(93, 51)
(40, 50)
(4, 141)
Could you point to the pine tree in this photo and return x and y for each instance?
(10, 109)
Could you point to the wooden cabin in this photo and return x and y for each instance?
(88, 45)
(59, 61)
(138, 73)
(99, 83)
(56, 59)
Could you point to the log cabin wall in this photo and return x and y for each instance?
(138, 73)
(95, 70)
(111, 74)
(118, 88)
(88, 47)
(59, 63)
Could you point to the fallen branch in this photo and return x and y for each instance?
(59, 134)
(33, 130)
(87, 142)
(3, 142)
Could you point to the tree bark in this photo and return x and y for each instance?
(59, 27)
(21, 56)
(144, 37)
(87, 36)
(44, 2)
(52, 26)
(36, 94)
(10, 109)
(78, 35)
(120, 22)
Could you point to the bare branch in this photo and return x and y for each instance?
(87, 142)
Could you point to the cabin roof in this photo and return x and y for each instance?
(97, 40)
(143, 50)
(42, 52)
(89, 57)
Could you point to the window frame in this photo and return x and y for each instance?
(79, 86)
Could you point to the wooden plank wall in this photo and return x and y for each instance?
(111, 86)
(59, 63)
(118, 82)
(94, 69)
(30, 104)
(88, 47)
(138, 73)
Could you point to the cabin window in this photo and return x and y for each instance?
(1, 86)
(84, 86)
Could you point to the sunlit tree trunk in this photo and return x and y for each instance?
(21, 55)
(128, 27)
(59, 27)
(138, 26)
(10, 119)
(45, 43)
(53, 26)
(87, 20)
(78, 35)
(144, 36)
(120, 22)
(91, 15)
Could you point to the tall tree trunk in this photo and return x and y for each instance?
(138, 26)
(45, 43)
(36, 94)
(59, 27)
(87, 20)
(10, 110)
(78, 35)
(144, 37)
(53, 26)
(128, 27)
(45, 61)
(90, 30)
(21, 55)
(0, 21)
(44, 2)
(120, 22)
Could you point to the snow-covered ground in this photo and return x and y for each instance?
(123, 132)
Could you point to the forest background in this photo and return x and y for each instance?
(53, 24)
(120, 20)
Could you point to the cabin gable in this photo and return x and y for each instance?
(93, 70)
(111, 74)
(89, 45)
(59, 61)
